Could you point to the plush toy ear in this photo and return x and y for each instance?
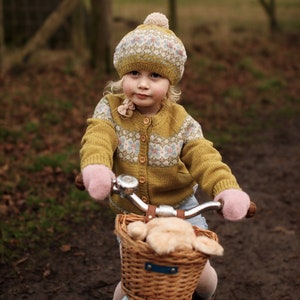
(207, 246)
(137, 230)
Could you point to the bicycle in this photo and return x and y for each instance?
(145, 275)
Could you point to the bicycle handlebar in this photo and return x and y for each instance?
(125, 186)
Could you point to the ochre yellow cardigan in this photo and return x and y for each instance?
(167, 153)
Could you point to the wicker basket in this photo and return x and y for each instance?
(139, 283)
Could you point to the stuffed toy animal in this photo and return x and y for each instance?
(165, 235)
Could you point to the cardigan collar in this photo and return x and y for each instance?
(155, 120)
(138, 118)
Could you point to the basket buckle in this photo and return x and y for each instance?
(151, 267)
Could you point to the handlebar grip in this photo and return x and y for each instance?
(79, 182)
(252, 210)
(250, 213)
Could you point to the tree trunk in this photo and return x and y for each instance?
(1, 38)
(101, 28)
(270, 9)
(173, 15)
(78, 34)
(52, 23)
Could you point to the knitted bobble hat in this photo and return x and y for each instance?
(152, 46)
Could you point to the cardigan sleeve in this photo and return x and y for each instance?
(205, 163)
(100, 140)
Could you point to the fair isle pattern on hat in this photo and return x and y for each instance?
(153, 47)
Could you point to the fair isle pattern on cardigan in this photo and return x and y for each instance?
(162, 152)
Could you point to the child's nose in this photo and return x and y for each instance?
(143, 83)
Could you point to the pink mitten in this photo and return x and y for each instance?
(236, 204)
(97, 180)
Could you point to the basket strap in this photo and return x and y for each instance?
(180, 213)
(151, 213)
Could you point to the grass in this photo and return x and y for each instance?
(43, 223)
(247, 64)
(273, 85)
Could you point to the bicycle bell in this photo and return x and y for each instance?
(127, 184)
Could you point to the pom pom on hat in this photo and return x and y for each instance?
(152, 46)
(157, 19)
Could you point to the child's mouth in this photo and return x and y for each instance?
(142, 96)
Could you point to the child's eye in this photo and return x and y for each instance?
(155, 75)
(134, 73)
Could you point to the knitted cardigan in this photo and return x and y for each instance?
(167, 153)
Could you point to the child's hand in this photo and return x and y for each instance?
(97, 180)
(236, 204)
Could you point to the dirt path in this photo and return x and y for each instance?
(262, 255)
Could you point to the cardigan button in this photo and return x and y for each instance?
(142, 159)
(144, 199)
(143, 137)
(142, 179)
(146, 120)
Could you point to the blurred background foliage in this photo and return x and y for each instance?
(91, 28)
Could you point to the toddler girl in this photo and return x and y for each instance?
(139, 129)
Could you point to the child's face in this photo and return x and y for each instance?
(146, 90)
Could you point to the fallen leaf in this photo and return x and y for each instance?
(46, 273)
(3, 209)
(4, 169)
(281, 229)
(65, 248)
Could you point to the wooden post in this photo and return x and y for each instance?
(101, 28)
